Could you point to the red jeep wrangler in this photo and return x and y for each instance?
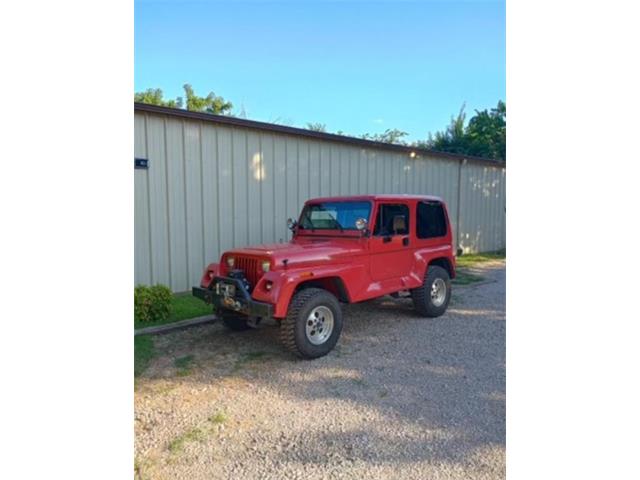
(333, 257)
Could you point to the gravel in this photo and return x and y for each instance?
(400, 397)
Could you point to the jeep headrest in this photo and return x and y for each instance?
(399, 223)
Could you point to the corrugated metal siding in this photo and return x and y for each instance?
(212, 187)
(482, 212)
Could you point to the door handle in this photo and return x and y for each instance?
(405, 241)
(386, 239)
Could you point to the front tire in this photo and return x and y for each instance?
(431, 299)
(313, 323)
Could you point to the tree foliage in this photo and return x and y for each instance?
(195, 103)
(151, 303)
(484, 136)
(154, 96)
(389, 136)
(316, 127)
(487, 132)
(209, 104)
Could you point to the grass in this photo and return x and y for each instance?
(473, 259)
(197, 434)
(218, 418)
(183, 306)
(139, 465)
(194, 435)
(144, 351)
(184, 365)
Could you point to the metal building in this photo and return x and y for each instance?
(206, 183)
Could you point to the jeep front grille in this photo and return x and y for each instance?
(250, 267)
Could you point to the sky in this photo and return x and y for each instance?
(355, 66)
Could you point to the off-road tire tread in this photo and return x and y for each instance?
(421, 302)
(288, 324)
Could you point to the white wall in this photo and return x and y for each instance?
(210, 187)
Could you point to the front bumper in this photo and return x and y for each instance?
(230, 294)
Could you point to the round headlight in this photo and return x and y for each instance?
(266, 265)
(231, 262)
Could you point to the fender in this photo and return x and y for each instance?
(425, 256)
(212, 270)
(285, 282)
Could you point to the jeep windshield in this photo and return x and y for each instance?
(333, 215)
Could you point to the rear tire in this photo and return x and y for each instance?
(431, 299)
(236, 323)
(313, 323)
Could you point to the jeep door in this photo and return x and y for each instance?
(390, 243)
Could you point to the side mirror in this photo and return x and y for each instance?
(291, 224)
(361, 225)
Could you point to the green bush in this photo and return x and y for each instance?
(152, 304)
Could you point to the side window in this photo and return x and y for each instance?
(431, 220)
(392, 219)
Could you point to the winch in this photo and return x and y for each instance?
(239, 275)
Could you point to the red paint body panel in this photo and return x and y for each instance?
(353, 266)
(212, 270)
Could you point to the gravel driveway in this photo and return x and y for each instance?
(399, 397)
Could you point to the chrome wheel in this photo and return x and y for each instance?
(438, 292)
(319, 325)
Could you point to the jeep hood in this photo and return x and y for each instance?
(305, 252)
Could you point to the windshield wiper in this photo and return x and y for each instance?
(308, 218)
(337, 223)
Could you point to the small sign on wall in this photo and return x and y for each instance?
(142, 163)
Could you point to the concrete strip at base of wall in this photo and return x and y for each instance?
(181, 325)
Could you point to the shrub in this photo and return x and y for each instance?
(152, 304)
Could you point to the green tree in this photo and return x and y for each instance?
(487, 133)
(452, 139)
(154, 96)
(389, 136)
(195, 103)
(209, 104)
(484, 136)
(316, 127)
